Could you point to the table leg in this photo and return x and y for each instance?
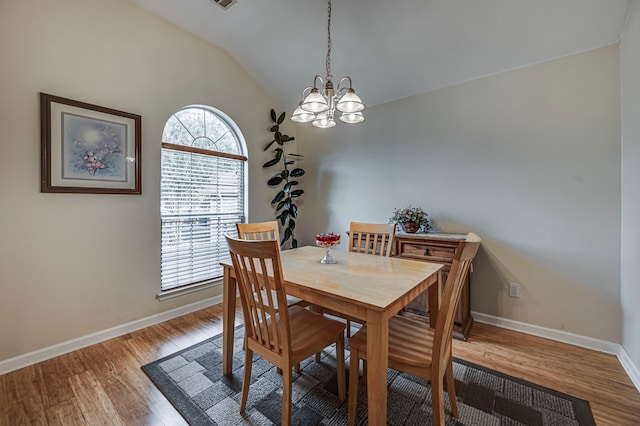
(228, 320)
(435, 296)
(377, 364)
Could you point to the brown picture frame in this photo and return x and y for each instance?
(88, 148)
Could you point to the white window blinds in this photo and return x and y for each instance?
(202, 198)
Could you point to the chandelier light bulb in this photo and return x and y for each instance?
(350, 102)
(315, 102)
(352, 117)
(302, 116)
(324, 121)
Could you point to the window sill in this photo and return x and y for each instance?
(170, 294)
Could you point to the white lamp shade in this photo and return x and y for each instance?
(314, 102)
(352, 117)
(302, 116)
(350, 102)
(323, 121)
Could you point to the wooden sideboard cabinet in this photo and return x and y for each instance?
(439, 248)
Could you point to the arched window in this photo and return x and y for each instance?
(202, 194)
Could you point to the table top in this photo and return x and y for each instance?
(387, 279)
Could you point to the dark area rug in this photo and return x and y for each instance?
(192, 380)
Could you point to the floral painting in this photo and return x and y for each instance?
(93, 149)
(88, 148)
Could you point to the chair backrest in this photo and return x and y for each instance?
(371, 238)
(264, 323)
(450, 299)
(258, 231)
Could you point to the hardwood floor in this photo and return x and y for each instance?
(594, 376)
(103, 384)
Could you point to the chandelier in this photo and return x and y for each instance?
(320, 101)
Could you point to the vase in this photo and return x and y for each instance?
(410, 227)
(327, 259)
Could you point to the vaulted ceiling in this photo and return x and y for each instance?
(393, 48)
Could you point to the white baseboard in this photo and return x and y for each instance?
(565, 337)
(549, 333)
(632, 370)
(21, 361)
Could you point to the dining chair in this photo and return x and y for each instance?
(260, 231)
(284, 337)
(418, 349)
(369, 238)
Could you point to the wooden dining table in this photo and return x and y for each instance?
(370, 288)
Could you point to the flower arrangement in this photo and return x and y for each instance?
(411, 219)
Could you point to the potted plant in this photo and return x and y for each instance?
(285, 179)
(411, 219)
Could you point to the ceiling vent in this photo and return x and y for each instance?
(225, 4)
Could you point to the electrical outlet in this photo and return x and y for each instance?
(514, 290)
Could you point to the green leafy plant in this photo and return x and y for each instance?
(285, 179)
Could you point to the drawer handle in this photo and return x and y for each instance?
(426, 252)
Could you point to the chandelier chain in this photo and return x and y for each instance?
(329, 40)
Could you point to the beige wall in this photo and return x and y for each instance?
(529, 159)
(74, 264)
(630, 93)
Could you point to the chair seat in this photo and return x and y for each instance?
(311, 329)
(410, 342)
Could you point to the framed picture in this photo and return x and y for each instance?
(88, 148)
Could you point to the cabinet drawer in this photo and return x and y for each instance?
(431, 252)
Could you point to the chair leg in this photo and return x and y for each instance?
(353, 386)
(437, 400)
(246, 381)
(451, 388)
(364, 371)
(317, 309)
(296, 368)
(340, 366)
(286, 396)
(348, 329)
